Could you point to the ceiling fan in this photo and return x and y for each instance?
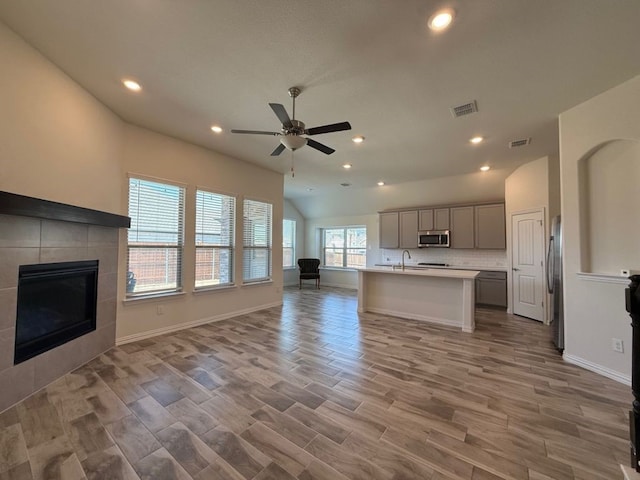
(292, 130)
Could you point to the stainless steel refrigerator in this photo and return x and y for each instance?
(554, 282)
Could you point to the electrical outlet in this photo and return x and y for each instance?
(616, 345)
(160, 310)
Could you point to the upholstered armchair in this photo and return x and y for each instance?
(309, 270)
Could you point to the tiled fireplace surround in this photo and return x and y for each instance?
(25, 240)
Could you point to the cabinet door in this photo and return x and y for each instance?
(409, 229)
(441, 218)
(462, 227)
(491, 292)
(425, 220)
(490, 227)
(389, 230)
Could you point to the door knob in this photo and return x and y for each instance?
(515, 269)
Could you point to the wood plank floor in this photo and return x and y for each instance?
(315, 391)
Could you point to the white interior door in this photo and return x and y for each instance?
(527, 255)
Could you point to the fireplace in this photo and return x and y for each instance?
(56, 304)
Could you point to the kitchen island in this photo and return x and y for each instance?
(443, 296)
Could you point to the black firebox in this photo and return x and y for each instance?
(56, 303)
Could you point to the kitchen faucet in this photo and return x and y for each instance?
(409, 254)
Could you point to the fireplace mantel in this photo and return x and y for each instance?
(20, 205)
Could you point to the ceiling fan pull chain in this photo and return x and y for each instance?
(293, 173)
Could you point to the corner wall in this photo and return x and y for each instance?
(157, 156)
(594, 306)
(57, 142)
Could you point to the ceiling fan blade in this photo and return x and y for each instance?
(279, 149)
(319, 146)
(255, 132)
(334, 127)
(282, 114)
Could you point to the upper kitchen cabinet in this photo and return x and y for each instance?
(441, 218)
(409, 229)
(462, 231)
(490, 230)
(425, 220)
(389, 237)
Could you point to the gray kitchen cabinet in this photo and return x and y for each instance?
(425, 220)
(491, 288)
(408, 225)
(462, 231)
(441, 219)
(490, 228)
(389, 237)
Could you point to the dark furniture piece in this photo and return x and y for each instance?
(632, 300)
(309, 270)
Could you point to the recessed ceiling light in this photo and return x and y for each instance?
(216, 129)
(347, 166)
(309, 189)
(485, 168)
(132, 85)
(358, 139)
(381, 184)
(441, 19)
(476, 139)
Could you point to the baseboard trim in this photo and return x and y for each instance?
(599, 369)
(339, 285)
(196, 323)
(412, 316)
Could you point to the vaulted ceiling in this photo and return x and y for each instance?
(371, 62)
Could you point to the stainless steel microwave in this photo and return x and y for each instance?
(435, 238)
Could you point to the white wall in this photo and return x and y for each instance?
(291, 276)
(153, 155)
(594, 310)
(527, 189)
(313, 242)
(458, 189)
(57, 142)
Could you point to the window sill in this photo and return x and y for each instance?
(205, 290)
(254, 284)
(151, 297)
(341, 269)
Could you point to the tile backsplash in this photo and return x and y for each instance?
(456, 257)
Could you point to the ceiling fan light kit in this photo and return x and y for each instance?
(292, 130)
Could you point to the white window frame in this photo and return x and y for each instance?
(345, 248)
(255, 246)
(134, 234)
(292, 241)
(202, 231)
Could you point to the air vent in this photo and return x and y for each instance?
(464, 109)
(519, 143)
(345, 184)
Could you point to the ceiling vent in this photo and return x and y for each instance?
(519, 143)
(345, 184)
(464, 109)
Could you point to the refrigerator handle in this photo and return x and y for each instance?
(550, 268)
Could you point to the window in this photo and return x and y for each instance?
(155, 238)
(215, 220)
(288, 243)
(256, 266)
(345, 247)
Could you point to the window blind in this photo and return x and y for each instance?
(155, 238)
(215, 220)
(288, 243)
(256, 265)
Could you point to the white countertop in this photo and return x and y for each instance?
(448, 267)
(423, 271)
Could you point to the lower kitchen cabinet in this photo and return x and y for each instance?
(491, 289)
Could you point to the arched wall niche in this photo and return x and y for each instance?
(609, 196)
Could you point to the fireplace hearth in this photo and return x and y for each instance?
(56, 304)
